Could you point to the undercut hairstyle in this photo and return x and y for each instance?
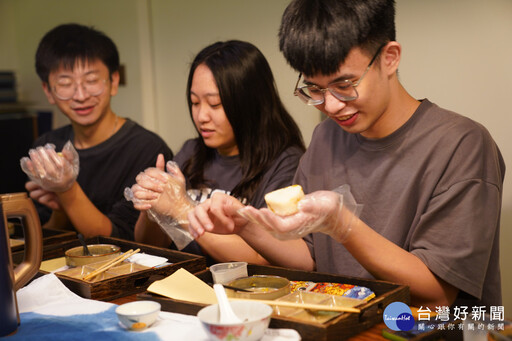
(262, 126)
(69, 44)
(316, 36)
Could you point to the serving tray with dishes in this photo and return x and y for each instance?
(362, 300)
(114, 276)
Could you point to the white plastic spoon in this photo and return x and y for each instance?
(227, 316)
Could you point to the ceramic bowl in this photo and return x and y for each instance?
(224, 273)
(255, 318)
(100, 252)
(138, 315)
(261, 287)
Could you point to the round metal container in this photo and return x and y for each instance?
(261, 287)
(100, 252)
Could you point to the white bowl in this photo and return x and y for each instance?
(138, 315)
(255, 317)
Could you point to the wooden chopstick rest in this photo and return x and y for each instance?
(110, 264)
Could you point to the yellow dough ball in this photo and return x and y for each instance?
(284, 201)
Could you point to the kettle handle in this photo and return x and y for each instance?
(15, 205)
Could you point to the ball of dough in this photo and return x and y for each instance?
(284, 201)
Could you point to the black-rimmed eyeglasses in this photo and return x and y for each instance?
(344, 90)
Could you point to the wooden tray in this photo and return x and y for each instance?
(339, 328)
(128, 284)
(50, 237)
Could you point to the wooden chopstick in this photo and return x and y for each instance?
(301, 305)
(113, 260)
(110, 264)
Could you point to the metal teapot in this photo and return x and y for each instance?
(11, 279)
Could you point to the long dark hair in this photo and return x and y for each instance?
(262, 126)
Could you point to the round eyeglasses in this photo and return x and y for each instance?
(344, 90)
(66, 88)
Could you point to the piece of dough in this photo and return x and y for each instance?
(284, 201)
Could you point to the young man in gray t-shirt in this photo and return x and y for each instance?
(430, 181)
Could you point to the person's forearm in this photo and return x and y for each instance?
(389, 262)
(226, 248)
(149, 232)
(58, 220)
(290, 253)
(82, 213)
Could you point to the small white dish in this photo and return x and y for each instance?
(138, 315)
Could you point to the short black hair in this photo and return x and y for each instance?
(316, 35)
(67, 44)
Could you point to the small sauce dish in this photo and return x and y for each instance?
(138, 315)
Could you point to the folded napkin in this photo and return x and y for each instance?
(50, 311)
(147, 260)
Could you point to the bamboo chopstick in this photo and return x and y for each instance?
(301, 305)
(110, 264)
(115, 259)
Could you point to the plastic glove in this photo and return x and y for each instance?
(165, 197)
(51, 171)
(329, 212)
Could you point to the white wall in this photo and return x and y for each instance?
(9, 55)
(182, 28)
(456, 53)
(31, 19)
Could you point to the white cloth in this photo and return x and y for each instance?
(47, 295)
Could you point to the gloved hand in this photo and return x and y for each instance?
(165, 197)
(329, 212)
(163, 193)
(51, 171)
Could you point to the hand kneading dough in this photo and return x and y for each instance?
(284, 201)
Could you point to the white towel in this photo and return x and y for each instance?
(48, 296)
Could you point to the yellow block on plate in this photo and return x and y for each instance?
(184, 286)
(53, 264)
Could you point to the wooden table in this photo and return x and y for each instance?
(372, 334)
